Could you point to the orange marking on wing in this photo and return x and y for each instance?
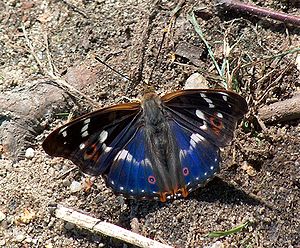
(91, 153)
(216, 124)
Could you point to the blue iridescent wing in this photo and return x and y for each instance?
(131, 172)
(199, 158)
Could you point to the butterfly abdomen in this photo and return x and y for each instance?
(161, 147)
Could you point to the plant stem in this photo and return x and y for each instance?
(258, 11)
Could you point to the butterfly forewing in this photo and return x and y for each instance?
(89, 140)
(211, 113)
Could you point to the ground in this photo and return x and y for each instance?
(260, 176)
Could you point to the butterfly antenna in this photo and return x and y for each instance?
(157, 56)
(114, 70)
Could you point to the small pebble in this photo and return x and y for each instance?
(196, 81)
(75, 186)
(69, 226)
(2, 216)
(2, 242)
(29, 153)
(20, 237)
(66, 182)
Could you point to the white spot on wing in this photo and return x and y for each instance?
(211, 167)
(197, 137)
(220, 115)
(84, 128)
(125, 155)
(200, 114)
(87, 121)
(63, 129)
(64, 134)
(207, 100)
(106, 148)
(204, 126)
(84, 134)
(81, 146)
(121, 155)
(121, 188)
(224, 96)
(103, 136)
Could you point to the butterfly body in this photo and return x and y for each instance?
(157, 149)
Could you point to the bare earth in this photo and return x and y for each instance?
(260, 177)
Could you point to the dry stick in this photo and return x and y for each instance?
(281, 111)
(93, 224)
(259, 11)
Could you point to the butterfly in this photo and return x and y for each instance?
(158, 148)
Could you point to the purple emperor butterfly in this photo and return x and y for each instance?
(159, 148)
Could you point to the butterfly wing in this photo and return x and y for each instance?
(92, 140)
(201, 121)
(131, 172)
(211, 113)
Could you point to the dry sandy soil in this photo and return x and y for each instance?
(260, 177)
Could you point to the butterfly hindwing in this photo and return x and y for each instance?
(131, 172)
(199, 158)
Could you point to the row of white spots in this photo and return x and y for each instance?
(84, 129)
(201, 116)
(209, 101)
(102, 137)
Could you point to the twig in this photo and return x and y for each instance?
(259, 11)
(281, 111)
(95, 225)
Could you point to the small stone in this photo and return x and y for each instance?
(69, 226)
(20, 237)
(29, 153)
(2, 242)
(66, 182)
(196, 81)
(2, 216)
(75, 186)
